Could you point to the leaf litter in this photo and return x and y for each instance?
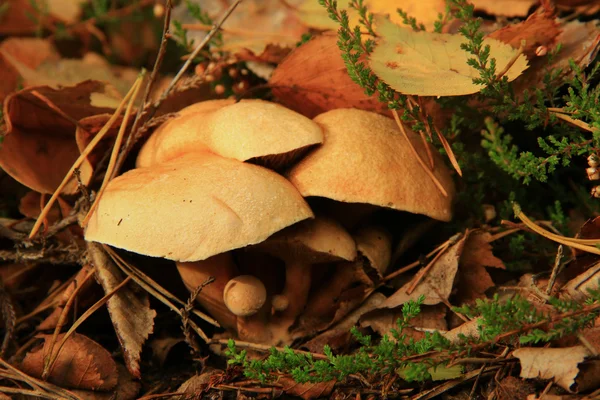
(55, 106)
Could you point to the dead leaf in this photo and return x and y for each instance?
(127, 388)
(254, 25)
(577, 288)
(468, 329)
(16, 19)
(39, 147)
(510, 388)
(338, 335)
(129, 308)
(313, 79)
(562, 365)
(199, 384)
(81, 363)
(579, 41)
(473, 278)
(539, 29)
(431, 318)
(438, 281)
(416, 62)
(306, 391)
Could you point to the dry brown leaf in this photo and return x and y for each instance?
(313, 79)
(129, 308)
(577, 288)
(254, 24)
(539, 29)
(563, 365)
(510, 388)
(127, 388)
(470, 328)
(438, 281)
(39, 146)
(81, 363)
(198, 384)
(85, 298)
(338, 335)
(473, 278)
(16, 18)
(579, 41)
(306, 391)
(430, 318)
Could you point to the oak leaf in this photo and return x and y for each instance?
(433, 64)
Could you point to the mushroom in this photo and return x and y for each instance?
(301, 246)
(244, 295)
(364, 159)
(251, 130)
(349, 283)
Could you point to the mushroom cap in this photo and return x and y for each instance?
(194, 207)
(249, 130)
(244, 295)
(319, 240)
(365, 159)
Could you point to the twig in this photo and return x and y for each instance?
(418, 157)
(8, 316)
(153, 75)
(555, 270)
(185, 314)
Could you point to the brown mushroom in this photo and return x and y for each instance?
(365, 159)
(251, 130)
(244, 295)
(318, 241)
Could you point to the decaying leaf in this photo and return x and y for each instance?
(129, 309)
(562, 365)
(511, 387)
(578, 287)
(39, 147)
(313, 79)
(306, 391)
(127, 388)
(416, 62)
(540, 29)
(438, 281)
(473, 278)
(198, 384)
(338, 335)
(470, 328)
(82, 363)
(430, 318)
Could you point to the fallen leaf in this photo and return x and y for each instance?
(16, 18)
(39, 147)
(468, 329)
(579, 41)
(416, 62)
(81, 363)
(431, 318)
(511, 387)
(437, 282)
(578, 287)
(539, 29)
(199, 384)
(562, 365)
(338, 335)
(313, 79)
(306, 391)
(129, 309)
(127, 388)
(473, 278)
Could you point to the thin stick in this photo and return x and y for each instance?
(555, 270)
(576, 122)
(414, 151)
(115, 152)
(157, 63)
(62, 321)
(80, 160)
(82, 318)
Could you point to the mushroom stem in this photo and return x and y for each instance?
(297, 287)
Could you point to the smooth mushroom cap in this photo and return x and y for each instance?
(194, 207)
(319, 240)
(207, 106)
(366, 159)
(244, 295)
(255, 130)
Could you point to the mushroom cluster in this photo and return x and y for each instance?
(242, 183)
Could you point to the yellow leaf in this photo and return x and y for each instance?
(433, 64)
